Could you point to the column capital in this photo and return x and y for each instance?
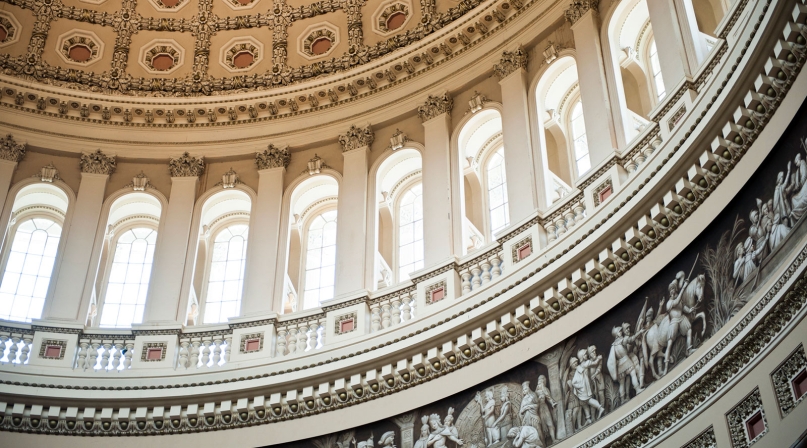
(11, 150)
(579, 8)
(510, 62)
(273, 157)
(435, 106)
(97, 163)
(186, 165)
(356, 137)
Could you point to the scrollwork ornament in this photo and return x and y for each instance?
(186, 166)
(273, 157)
(97, 163)
(510, 62)
(435, 106)
(579, 8)
(11, 150)
(356, 137)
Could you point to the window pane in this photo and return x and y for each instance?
(226, 276)
(410, 231)
(497, 192)
(580, 142)
(125, 295)
(320, 259)
(32, 254)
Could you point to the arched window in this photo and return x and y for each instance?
(655, 69)
(578, 124)
(497, 192)
(320, 259)
(128, 283)
(410, 232)
(28, 268)
(226, 277)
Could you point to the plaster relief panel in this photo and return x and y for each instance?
(10, 29)
(80, 47)
(391, 17)
(161, 56)
(241, 54)
(318, 41)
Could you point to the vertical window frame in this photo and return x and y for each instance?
(572, 138)
(484, 172)
(396, 222)
(308, 220)
(209, 241)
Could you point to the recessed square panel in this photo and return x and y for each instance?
(53, 351)
(755, 425)
(605, 193)
(799, 384)
(524, 251)
(252, 345)
(346, 326)
(154, 354)
(437, 295)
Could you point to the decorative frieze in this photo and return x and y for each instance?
(435, 105)
(746, 421)
(11, 150)
(97, 163)
(790, 381)
(273, 157)
(706, 439)
(510, 62)
(356, 137)
(579, 8)
(186, 165)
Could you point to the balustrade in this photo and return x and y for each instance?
(15, 346)
(300, 335)
(104, 354)
(481, 270)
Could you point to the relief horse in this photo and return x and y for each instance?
(659, 338)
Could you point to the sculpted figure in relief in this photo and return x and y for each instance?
(582, 385)
(546, 410)
(525, 437)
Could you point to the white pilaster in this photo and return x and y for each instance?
(351, 222)
(679, 43)
(263, 245)
(162, 306)
(599, 118)
(437, 233)
(526, 189)
(65, 304)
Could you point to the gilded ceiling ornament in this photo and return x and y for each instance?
(510, 62)
(356, 138)
(579, 8)
(186, 165)
(273, 157)
(435, 105)
(11, 150)
(97, 163)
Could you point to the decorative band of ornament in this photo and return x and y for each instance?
(529, 327)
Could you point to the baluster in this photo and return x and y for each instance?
(321, 331)
(579, 212)
(396, 310)
(413, 303)
(127, 359)
(116, 356)
(570, 222)
(82, 355)
(206, 351)
(466, 282)
(551, 231)
(195, 353)
(26, 348)
(476, 280)
(94, 347)
(496, 266)
(228, 339)
(216, 351)
(406, 310)
(183, 354)
(3, 348)
(281, 342)
(105, 355)
(386, 315)
(375, 317)
(292, 344)
(311, 339)
(485, 272)
(560, 223)
(302, 338)
(12, 350)
(632, 165)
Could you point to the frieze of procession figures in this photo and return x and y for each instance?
(97, 163)
(357, 137)
(435, 105)
(186, 165)
(510, 62)
(579, 8)
(11, 150)
(273, 157)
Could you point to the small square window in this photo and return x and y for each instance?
(799, 384)
(605, 193)
(154, 354)
(53, 351)
(437, 295)
(252, 345)
(346, 326)
(755, 425)
(524, 251)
